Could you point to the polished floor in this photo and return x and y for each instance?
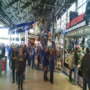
(34, 81)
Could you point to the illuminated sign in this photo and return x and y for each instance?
(77, 26)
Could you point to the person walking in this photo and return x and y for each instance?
(20, 69)
(71, 64)
(14, 62)
(45, 64)
(32, 56)
(76, 59)
(85, 68)
(9, 55)
(38, 58)
(51, 65)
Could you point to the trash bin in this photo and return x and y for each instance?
(3, 65)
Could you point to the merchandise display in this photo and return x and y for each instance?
(79, 42)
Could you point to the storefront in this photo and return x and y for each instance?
(77, 36)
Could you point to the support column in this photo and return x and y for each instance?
(26, 35)
(9, 37)
(53, 31)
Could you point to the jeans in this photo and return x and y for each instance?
(38, 62)
(75, 73)
(14, 74)
(51, 74)
(20, 80)
(85, 82)
(32, 61)
(45, 74)
(70, 75)
(29, 60)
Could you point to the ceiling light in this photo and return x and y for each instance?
(31, 31)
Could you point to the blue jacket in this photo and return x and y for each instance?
(10, 51)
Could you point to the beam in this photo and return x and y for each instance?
(7, 14)
(19, 9)
(10, 4)
(26, 5)
(52, 6)
(29, 3)
(14, 15)
(41, 17)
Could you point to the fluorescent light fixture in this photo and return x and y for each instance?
(1, 25)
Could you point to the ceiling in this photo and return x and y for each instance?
(21, 11)
(14, 12)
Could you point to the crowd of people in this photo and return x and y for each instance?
(18, 56)
(85, 67)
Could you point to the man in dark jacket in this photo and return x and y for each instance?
(76, 66)
(20, 69)
(9, 55)
(85, 67)
(32, 56)
(51, 64)
(14, 62)
(45, 64)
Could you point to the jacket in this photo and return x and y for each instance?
(85, 65)
(14, 61)
(76, 58)
(71, 61)
(20, 63)
(10, 52)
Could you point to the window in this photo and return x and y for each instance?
(58, 27)
(84, 8)
(80, 11)
(79, 3)
(81, 6)
(84, 1)
(72, 8)
(63, 25)
(58, 21)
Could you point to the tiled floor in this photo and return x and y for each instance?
(34, 81)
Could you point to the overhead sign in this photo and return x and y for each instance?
(76, 21)
(77, 26)
(22, 25)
